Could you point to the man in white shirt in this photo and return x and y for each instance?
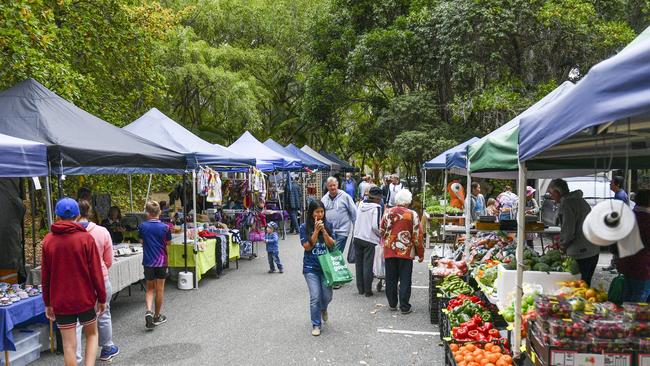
(394, 187)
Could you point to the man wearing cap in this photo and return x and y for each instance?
(366, 237)
(73, 284)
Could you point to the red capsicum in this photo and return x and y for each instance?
(473, 334)
(494, 333)
(460, 332)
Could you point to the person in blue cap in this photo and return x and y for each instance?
(73, 284)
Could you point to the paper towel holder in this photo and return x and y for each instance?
(612, 219)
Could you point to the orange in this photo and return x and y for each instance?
(470, 347)
(501, 362)
(453, 347)
(493, 357)
(490, 364)
(469, 357)
(507, 359)
(459, 358)
(473, 364)
(488, 346)
(484, 361)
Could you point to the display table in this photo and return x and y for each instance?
(201, 261)
(125, 271)
(31, 309)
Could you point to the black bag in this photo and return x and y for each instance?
(351, 252)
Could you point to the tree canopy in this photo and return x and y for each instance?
(386, 84)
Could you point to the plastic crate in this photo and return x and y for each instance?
(434, 303)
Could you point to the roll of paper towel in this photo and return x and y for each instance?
(609, 222)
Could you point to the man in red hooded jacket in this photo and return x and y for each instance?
(73, 284)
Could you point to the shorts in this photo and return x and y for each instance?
(70, 321)
(155, 273)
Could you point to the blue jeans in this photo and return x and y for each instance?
(340, 242)
(274, 256)
(319, 296)
(636, 290)
(293, 217)
(104, 325)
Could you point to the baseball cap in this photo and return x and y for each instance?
(272, 225)
(67, 208)
(375, 192)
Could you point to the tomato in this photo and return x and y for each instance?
(469, 358)
(453, 347)
(484, 361)
(493, 357)
(507, 359)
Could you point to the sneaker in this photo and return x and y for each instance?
(148, 321)
(282, 271)
(336, 287)
(108, 353)
(369, 294)
(392, 308)
(271, 271)
(315, 331)
(324, 315)
(409, 311)
(160, 319)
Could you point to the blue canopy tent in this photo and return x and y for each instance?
(281, 150)
(345, 166)
(440, 161)
(308, 160)
(155, 126)
(22, 158)
(267, 159)
(313, 153)
(602, 123)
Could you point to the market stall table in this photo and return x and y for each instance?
(31, 309)
(126, 271)
(201, 261)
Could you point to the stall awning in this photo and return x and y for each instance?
(345, 166)
(333, 166)
(155, 126)
(267, 159)
(22, 158)
(440, 161)
(498, 151)
(271, 144)
(78, 142)
(603, 119)
(307, 159)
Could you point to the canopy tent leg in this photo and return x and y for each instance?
(184, 204)
(146, 198)
(196, 277)
(59, 186)
(48, 200)
(521, 237)
(424, 206)
(32, 200)
(130, 194)
(444, 213)
(468, 213)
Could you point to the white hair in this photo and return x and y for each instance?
(332, 180)
(403, 197)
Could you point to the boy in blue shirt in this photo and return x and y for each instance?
(272, 248)
(154, 236)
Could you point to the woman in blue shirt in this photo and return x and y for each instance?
(316, 237)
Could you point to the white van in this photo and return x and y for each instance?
(594, 190)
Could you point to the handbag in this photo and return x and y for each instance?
(352, 252)
(617, 290)
(334, 269)
(255, 235)
(378, 264)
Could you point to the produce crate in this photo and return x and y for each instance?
(434, 281)
(443, 321)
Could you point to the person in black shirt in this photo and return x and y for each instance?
(114, 224)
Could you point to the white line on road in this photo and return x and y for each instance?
(420, 286)
(414, 332)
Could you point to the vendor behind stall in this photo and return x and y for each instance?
(636, 268)
(572, 213)
(114, 224)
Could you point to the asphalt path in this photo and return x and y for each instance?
(251, 317)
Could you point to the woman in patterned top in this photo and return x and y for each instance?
(402, 234)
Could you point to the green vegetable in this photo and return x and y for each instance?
(542, 267)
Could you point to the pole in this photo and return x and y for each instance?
(196, 230)
(444, 213)
(184, 203)
(521, 236)
(59, 183)
(468, 213)
(277, 190)
(130, 194)
(146, 198)
(48, 198)
(32, 200)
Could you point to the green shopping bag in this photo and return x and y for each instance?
(617, 290)
(334, 269)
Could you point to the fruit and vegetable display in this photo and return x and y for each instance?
(476, 330)
(453, 286)
(527, 305)
(580, 289)
(446, 267)
(552, 261)
(468, 309)
(434, 207)
(488, 274)
(489, 246)
(488, 354)
(590, 327)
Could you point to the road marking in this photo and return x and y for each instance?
(413, 332)
(414, 286)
